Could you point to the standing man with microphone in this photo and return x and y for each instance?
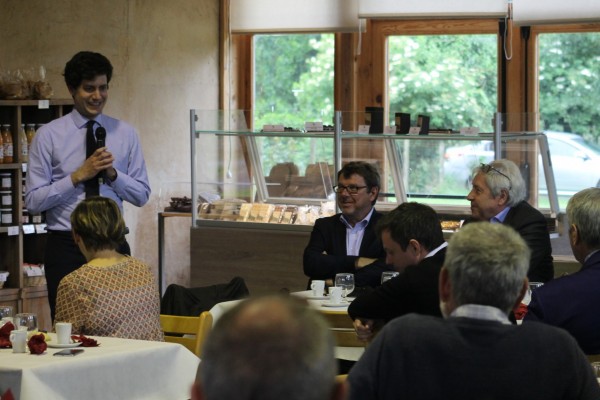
(66, 164)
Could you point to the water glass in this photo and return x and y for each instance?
(346, 282)
(596, 368)
(387, 275)
(27, 321)
(6, 311)
(532, 286)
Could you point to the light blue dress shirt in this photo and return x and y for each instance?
(58, 150)
(355, 234)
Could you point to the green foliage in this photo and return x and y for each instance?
(293, 79)
(569, 83)
(294, 84)
(451, 78)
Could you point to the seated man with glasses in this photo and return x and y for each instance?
(347, 242)
(498, 196)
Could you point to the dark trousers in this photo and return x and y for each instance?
(62, 257)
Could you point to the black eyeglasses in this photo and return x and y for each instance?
(486, 168)
(352, 189)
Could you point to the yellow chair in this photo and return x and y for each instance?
(342, 329)
(593, 358)
(188, 331)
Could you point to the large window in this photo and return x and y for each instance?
(293, 84)
(451, 78)
(568, 81)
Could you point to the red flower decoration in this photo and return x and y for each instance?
(85, 341)
(520, 311)
(4, 335)
(37, 344)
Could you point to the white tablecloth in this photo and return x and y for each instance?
(117, 369)
(344, 353)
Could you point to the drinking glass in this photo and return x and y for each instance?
(28, 320)
(346, 282)
(6, 311)
(387, 275)
(532, 287)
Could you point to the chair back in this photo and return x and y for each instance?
(342, 329)
(593, 358)
(188, 331)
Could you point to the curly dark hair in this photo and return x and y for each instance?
(86, 65)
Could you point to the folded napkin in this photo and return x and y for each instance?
(4, 335)
(37, 344)
(85, 341)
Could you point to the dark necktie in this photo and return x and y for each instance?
(91, 185)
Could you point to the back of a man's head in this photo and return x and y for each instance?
(268, 348)
(583, 211)
(487, 265)
(413, 220)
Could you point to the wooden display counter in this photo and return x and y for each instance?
(267, 256)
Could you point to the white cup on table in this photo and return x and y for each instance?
(335, 294)
(18, 340)
(318, 288)
(63, 332)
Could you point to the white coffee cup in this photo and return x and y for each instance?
(18, 339)
(335, 294)
(63, 332)
(318, 288)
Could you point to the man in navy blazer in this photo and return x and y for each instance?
(347, 242)
(498, 196)
(572, 302)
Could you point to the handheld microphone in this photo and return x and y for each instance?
(100, 142)
(100, 137)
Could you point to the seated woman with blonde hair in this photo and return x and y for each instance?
(112, 294)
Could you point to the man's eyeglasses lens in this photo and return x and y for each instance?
(351, 189)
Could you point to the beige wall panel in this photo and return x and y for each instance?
(165, 56)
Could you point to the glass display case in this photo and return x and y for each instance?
(284, 175)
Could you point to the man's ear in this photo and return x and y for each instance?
(444, 285)
(197, 391)
(503, 197)
(414, 245)
(574, 234)
(340, 390)
(522, 293)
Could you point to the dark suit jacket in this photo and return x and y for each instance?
(329, 236)
(531, 225)
(413, 291)
(572, 302)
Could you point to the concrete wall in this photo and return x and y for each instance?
(165, 58)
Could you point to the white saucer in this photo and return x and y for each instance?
(330, 304)
(311, 297)
(63, 346)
